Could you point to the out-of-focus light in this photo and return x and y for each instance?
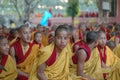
(60, 7)
(56, 7)
(39, 6)
(66, 1)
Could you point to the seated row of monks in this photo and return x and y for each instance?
(65, 53)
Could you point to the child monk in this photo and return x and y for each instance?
(23, 52)
(8, 69)
(38, 39)
(82, 64)
(109, 61)
(52, 63)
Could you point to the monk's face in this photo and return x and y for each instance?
(25, 34)
(102, 39)
(38, 38)
(4, 46)
(61, 39)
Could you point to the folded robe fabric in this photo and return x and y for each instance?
(10, 72)
(59, 70)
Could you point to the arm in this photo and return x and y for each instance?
(82, 55)
(76, 47)
(12, 53)
(40, 72)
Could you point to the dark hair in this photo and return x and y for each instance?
(60, 28)
(111, 44)
(12, 31)
(39, 25)
(117, 28)
(109, 26)
(91, 37)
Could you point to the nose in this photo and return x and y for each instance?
(62, 41)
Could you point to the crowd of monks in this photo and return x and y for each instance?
(63, 52)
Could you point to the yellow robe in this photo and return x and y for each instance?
(113, 62)
(112, 38)
(44, 40)
(32, 35)
(92, 68)
(59, 70)
(116, 50)
(11, 71)
(27, 64)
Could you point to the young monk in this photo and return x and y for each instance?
(38, 39)
(53, 60)
(81, 64)
(23, 52)
(82, 29)
(8, 69)
(109, 62)
(44, 36)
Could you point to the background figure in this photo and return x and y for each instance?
(45, 18)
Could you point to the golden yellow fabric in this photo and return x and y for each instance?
(27, 64)
(112, 38)
(116, 50)
(11, 71)
(113, 64)
(44, 40)
(58, 70)
(32, 35)
(92, 68)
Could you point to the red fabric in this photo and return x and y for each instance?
(79, 43)
(102, 57)
(80, 35)
(7, 35)
(3, 61)
(52, 58)
(21, 77)
(20, 57)
(88, 51)
(49, 22)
